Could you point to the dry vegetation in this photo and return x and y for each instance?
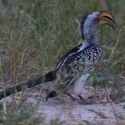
(35, 34)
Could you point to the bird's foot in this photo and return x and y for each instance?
(85, 101)
(81, 100)
(72, 97)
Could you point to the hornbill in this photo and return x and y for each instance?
(75, 59)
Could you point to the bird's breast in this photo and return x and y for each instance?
(88, 55)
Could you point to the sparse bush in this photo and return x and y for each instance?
(31, 30)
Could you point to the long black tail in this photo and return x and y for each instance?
(46, 78)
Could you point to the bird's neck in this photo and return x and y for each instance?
(90, 37)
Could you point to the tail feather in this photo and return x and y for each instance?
(46, 78)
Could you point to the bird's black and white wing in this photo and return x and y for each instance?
(76, 58)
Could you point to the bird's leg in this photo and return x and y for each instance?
(85, 101)
(73, 98)
(81, 98)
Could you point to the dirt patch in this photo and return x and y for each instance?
(72, 113)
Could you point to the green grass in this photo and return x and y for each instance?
(35, 34)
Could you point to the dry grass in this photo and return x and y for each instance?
(35, 34)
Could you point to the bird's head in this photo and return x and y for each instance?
(90, 21)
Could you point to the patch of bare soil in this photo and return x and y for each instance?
(72, 113)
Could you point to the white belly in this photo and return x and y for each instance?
(79, 83)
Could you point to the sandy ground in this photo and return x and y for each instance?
(71, 113)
